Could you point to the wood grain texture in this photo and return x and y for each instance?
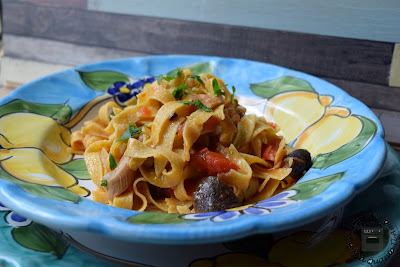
(20, 71)
(339, 58)
(391, 123)
(56, 52)
(58, 3)
(395, 67)
(374, 96)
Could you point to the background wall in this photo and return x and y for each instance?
(367, 19)
(353, 44)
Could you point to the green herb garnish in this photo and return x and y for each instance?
(113, 162)
(159, 78)
(104, 183)
(197, 104)
(233, 96)
(233, 93)
(178, 92)
(217, 88)
(131, 131)
(197, 78)
(179, 72)
(168, 78)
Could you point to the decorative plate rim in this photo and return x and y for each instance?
(112, 222)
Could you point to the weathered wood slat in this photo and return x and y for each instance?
(391, 123)
(20, 71)
(374, 96)
(58, 3)
(339, 58)
(56, 52)
(394, 79)
(50, 51)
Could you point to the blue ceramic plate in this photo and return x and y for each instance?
(344, 137)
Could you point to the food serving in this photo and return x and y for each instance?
(185, 145)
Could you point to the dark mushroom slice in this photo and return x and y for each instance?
(300, 162)
(212, 194)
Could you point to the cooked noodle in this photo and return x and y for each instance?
(162, 156)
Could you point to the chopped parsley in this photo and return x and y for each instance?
(197, 104)
(104, 183)
(217, 87)
(159, 78)
(178, 92)
(179, 72)
(113, 162)
(197, 78)
(131, 131)
(168, 78)
(233, 95)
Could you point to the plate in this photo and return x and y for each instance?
(43, 182)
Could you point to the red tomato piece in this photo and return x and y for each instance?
(273, 125)
(269, 152)
(211, 163)
(145, 112)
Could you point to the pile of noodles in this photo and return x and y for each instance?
(160, 157)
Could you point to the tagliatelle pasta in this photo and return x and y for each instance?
(154, 153)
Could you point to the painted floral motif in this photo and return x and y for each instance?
(307, 120)
(125, 91)
(38, 157)
(261, 208)
(13, 219)
(34, 236)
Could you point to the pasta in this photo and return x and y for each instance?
(153, 153)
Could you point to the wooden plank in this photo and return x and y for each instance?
(374, 96)
(58, 3)
(6, 89)
(369, 19)
(347, 59)
(391, 123)
(56, 52)
(395, 67)
(19, 71)
(396, 147)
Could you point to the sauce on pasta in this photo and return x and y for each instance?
(182, 143)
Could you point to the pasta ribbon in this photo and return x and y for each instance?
(153, 153)
(165, 178)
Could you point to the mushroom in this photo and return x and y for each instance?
(212, 194)
(300, 162)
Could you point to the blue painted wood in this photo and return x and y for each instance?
(367, 19)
